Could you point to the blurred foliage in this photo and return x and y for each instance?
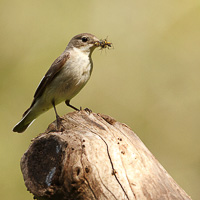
(149, 80)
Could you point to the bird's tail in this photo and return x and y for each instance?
(23, 124)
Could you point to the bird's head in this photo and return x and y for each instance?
(86, 42)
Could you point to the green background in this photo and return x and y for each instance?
(149, 80)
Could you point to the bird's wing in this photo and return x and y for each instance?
(49, 76)
(51, 73)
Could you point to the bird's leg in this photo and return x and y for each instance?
(68, 104)
(86, 109)
(58, 118)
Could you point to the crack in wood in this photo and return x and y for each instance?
(83, 152)
(108, 157)
(102, 180)
(113, 168)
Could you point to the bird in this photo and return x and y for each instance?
(65, 78)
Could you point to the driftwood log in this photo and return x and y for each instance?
(95, 157)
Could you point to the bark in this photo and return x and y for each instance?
(95, 157)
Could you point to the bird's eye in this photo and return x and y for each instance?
(84, 39)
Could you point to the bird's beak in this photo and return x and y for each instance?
(96, 42)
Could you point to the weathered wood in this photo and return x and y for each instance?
(95, 157)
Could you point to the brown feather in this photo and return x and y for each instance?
(49, 76)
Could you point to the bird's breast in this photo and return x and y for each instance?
(78, 67)
(73, 77)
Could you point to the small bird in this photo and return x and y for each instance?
(65, 78)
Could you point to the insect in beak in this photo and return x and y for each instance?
(103, 44)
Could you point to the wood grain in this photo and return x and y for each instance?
(95, 157)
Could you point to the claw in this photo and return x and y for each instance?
(88, 110)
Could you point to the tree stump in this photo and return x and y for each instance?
(95, 157)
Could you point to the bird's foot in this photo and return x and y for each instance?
(88, 110)
(59, 125)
